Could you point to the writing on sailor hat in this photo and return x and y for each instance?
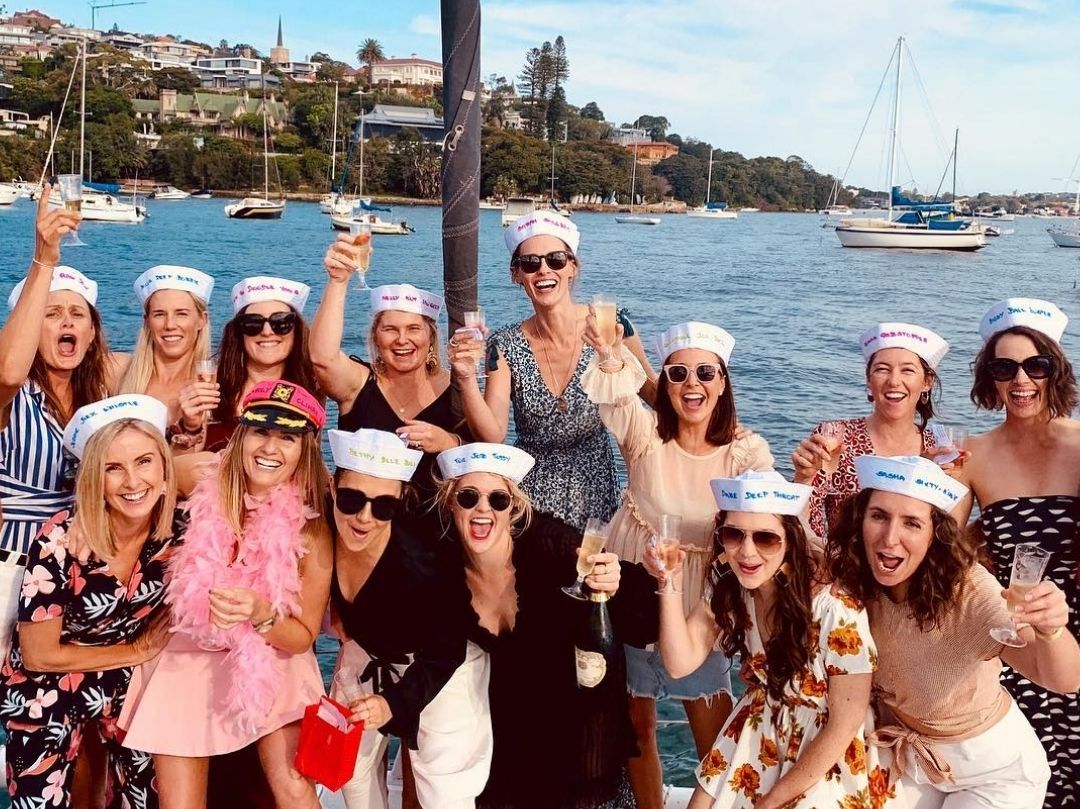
(169, 276)
(695, 335)
(62, 278)
(268, 288)
(542, 223)
(374, 452)
(765, 492)
(406, 298)
(1042, 316)
(498, 459)
(912, 476)
(921, 342)
(90, 418)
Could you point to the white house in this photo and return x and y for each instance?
(413, 70)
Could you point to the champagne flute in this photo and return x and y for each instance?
(949, 437)
(604, 310)
(206, 371)
(71, 194)
(667, 549)
(596, 533)
(348, 687)
(475, 320)
(833, 434)
(1029, 564)
(361, 237)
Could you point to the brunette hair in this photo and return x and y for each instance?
(788, 650)
(924, 407)
(1061, 392)
(936, 587)
(431, 362)
(140, 370)
(722, 423)
(232, 365)
(89, 380)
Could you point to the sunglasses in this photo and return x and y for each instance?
(352, 501)
(732, 537)
(1039, 366)
(280, 322)
(529, 263)
(499, 500)
(704, 372)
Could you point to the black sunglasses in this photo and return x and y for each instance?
(705, 372)
(352, 501)
(499, 500)
(280, 322)
(733, 537)
(529, 263)
(1039, 366)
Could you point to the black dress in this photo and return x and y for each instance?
(555, 744)
(1052, 522)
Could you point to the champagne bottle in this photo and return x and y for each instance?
(595, 650)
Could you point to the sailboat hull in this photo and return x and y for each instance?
(886, 237)
(637, 220)
(255, 208)
(1065, 238)
(711, 213)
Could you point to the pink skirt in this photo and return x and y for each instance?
(175, 703)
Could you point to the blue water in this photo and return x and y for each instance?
(795, 301)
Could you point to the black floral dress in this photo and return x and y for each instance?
(46, 713)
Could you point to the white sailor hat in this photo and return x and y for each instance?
(542, 223)
(268, 288)
(765, 492)
(1036, 314)
(921, 342)
(168, 276)
(406, 298)
(90, 418)
(695, 335)
(374, 452)
(912, 476)
(498, 459)
(62, 278)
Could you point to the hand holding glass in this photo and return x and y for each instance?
(596, 532)
(361, 237)
(348, 687)
(666, 546)
(954, 437)
(206, 371)
(603, 307)
(1029, 564)
(475, 320)
(833, 434)
(71, 194)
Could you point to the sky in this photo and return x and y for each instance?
(759, 77)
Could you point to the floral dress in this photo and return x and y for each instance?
(46, 713)
(763, 738)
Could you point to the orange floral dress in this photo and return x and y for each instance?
(763, 737)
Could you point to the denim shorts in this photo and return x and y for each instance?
(646, 677)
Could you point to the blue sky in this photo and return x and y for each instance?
(774, 77)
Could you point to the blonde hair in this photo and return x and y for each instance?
(432, 362)
(521, 508)
(140, 370)
(310, 476)
(91, 513)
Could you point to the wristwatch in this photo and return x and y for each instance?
(1057, 633)
(265, 626)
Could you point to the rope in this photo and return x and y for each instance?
(56, 129)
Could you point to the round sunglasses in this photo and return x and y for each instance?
(499, 500)
(1039, 366)
(280, 322)
(384, 507)
(529, 263)
(732, 537)
(677, 373)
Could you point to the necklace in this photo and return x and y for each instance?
(390, 400)
(561, 404)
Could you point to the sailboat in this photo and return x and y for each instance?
(259, 207)
(631, 219)
(335, 202)
(553, 206)
(1068, 235)
(714, 210)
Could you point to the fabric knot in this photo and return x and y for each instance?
(902, 739)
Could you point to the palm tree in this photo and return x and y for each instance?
(370, 52)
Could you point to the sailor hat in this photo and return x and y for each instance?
(498, 459)
(406, 298)
(912, 476)
(62, 278)
(267, 288)
(90, 418)
(765, 492)
(374, 452)
(1036, 314)
(695, 335)
(542, 223)
(921, 342)
(284, 406)
(167, 276)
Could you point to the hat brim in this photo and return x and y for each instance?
(276, 417)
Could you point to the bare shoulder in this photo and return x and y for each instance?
(116, 366)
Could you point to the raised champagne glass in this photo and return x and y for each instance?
(361, 237)
(604, 310)
(206, 371)
(475, 320)
(1029, 564)
(833, 434)
(71, 193)
(665, 544)
(596, 533)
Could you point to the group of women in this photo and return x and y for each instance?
(172, 542)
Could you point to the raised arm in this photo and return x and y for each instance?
(1051, 658)
(340, 377)
(685, 642)
(488, 412)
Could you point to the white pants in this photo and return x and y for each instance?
(1003, 768)
(11, 579)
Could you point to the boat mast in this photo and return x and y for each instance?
(333, 141)
(955, 147)
(896, 120)
(361, 194)
(633, 178)
(708, 182)
(82, 113)
(266, 149)
(552, 197)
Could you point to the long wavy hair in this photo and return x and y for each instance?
(140, 370)
(788, 650)
(721, 430)
(924, 407)
(1061, 391)
(936, 587)
(89, 381)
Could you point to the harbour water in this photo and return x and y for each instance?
(795, 301)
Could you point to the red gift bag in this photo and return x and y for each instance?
(328, 744)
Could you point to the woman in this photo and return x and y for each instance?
(537, 364)
(391, 609)
(175, 333)
(82, 626)
(797, 737)
(901, 372)
(671, 455)
(555, 743)
(1023, 370)
(266, 339)
(957, 736)
(239, 667)
(403, 389)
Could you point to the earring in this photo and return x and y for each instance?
(431, 364)
(869, 395)
(720, 567)
(783, 574)
(379, 365)
(924, 397)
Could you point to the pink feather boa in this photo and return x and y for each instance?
(267, 562)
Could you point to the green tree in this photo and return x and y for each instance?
(177, 78)
(288, 142)
(556, 114)
(592, 112)
(655, 125)
(370, 52)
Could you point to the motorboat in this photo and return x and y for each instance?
(9, 192)
(517, 207)
(169, 192)
(256, 208)
(378, 225)
(492, 204)
(99, 207)
(633, 219)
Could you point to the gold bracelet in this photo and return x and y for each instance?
(1057, 633)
